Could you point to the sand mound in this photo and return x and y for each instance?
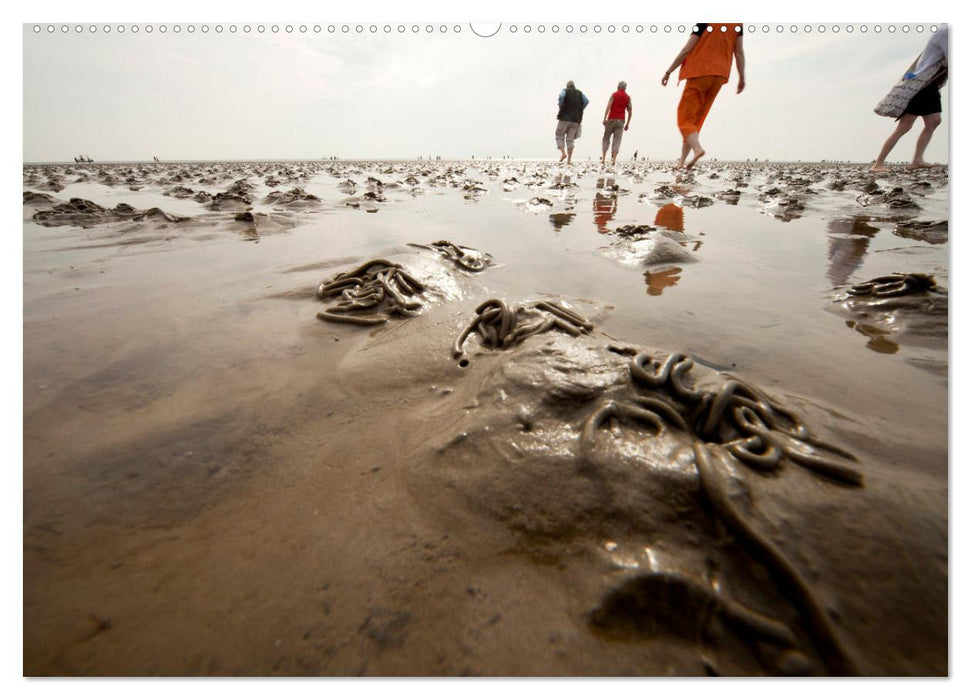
(85, 213)
(295, 197)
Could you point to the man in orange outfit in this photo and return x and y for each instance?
(706, 64)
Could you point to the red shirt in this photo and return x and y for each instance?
(620, 101)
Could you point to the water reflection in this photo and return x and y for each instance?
(604, 206)
(657, 280)
(846, 252)
(561, 219)
(858, 225)
(671, 217)
(604, 209)
(879, 342)
(562, 181)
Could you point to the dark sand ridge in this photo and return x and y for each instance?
(214, 485)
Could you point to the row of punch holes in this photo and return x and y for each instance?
(457, 29)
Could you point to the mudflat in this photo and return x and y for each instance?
(485, 418)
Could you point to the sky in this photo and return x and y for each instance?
(131, 96)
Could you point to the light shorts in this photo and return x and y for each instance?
(615, 128)
(566, 131)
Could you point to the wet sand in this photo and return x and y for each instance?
(218, 482)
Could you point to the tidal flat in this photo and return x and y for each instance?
(697, 423)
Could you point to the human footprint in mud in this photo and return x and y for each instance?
(925, 104)
(706, 64)
(572, 103)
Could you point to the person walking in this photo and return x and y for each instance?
(706, 65)
(572, 103)
(614, 126)
(925, 104)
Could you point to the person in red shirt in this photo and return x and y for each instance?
(614, 125)
(706, 64)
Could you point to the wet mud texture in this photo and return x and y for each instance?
(895, 309)
(530, 465)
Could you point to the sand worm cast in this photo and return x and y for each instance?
(757, 431)
(463, 257)
(786, 576)
(741, 421)
(897, 284)
(376, 285)
(499, 326)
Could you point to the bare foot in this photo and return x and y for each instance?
(562, 158)
(694, 160)
(919, 165)
(879, 168)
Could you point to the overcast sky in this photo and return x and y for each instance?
(130, 96)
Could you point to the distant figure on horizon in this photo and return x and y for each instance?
(926, 103)
(614, 125)
(635, 156)
(572, 102)
(706, 65)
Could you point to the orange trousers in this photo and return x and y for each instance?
(698, 96)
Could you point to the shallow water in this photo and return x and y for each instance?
(217, 482)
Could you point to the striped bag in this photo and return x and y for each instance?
(900, 95)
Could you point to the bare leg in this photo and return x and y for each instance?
(685, 150)
(931, 122)
(695, 145)
(562, 154)
(569, 155)
(903, 126)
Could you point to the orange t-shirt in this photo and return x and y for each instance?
(713, 53)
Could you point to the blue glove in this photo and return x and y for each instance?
(909, 76)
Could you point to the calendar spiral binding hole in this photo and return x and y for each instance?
(629, 29)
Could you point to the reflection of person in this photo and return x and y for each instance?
(671, 217)
(572, 103)
(657, 281)
(561, 219)
(706, 64)
(845, 257)
(614, 125)
(925, 104)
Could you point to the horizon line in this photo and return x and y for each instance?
(430, 160)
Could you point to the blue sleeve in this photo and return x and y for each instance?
(559, 100)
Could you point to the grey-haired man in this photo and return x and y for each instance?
(614, 125)
(572, 103)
